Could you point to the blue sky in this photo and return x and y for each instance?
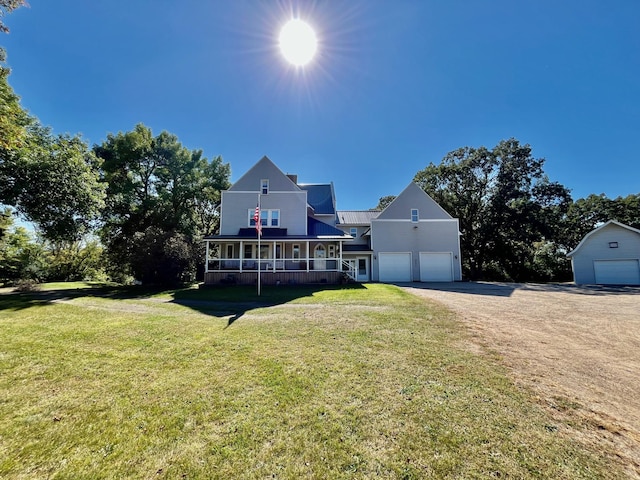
(395, 85)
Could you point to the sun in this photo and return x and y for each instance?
(298, 42)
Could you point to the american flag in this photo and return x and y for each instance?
(256, 219)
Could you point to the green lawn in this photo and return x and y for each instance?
(305, 382)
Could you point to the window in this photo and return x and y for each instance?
(295, 252)
(353, 231)
(362, 266)
(229, 251)
(264, 186)
(248, 251)
(268, 218)
(414, 214)
(332, 251)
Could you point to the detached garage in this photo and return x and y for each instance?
(608, 255)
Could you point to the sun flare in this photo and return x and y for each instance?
(298, 42)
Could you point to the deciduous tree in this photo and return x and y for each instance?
(505, 204)
(53, 181)
(384, 202)
(161, 199)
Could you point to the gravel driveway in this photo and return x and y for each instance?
(576, 347)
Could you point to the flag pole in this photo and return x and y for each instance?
(259, 231)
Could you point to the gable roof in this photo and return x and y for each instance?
(264, 169)
(356, 217)
(413, 197)
(320, 197)
(604, 225)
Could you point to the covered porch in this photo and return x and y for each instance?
(279, 260)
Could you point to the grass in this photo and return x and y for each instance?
(305, 382)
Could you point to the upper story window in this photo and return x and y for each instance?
(264, 186)
(353, 231)
(414, 214)
(274, 218)
(268, 218)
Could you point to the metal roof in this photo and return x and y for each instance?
(320, 229)
(356, 217)
(320, 197)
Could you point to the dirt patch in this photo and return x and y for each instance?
(577, 348)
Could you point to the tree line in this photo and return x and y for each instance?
(133, 207)
(515, 224)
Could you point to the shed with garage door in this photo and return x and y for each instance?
(608, 255)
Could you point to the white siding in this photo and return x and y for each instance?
(413, 197)
(292, 206)
(436, 236)
(596, 248)
(265, 169)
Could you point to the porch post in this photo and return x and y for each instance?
(308, 257)
(241, 254)
(273, 256)
(340, 256)
(206, 259)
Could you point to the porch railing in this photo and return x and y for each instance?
(349, 269)
(272, 264)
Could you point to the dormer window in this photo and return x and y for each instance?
(414, 215)
(264, 186)
(353, 231)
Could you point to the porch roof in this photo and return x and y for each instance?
(316, 229)
(287, 238)
(356, 249)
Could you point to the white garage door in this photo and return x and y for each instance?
(617, 272)
(394, 267)
(436, 267)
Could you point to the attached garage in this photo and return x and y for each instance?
(617, 272)
(608, 255)
(436, 267)
(394, 267)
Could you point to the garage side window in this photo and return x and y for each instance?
(414, 214)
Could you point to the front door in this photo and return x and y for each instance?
(362, 269)
(320, 257)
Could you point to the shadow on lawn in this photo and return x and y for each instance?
(235, 301)
(218, 301)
